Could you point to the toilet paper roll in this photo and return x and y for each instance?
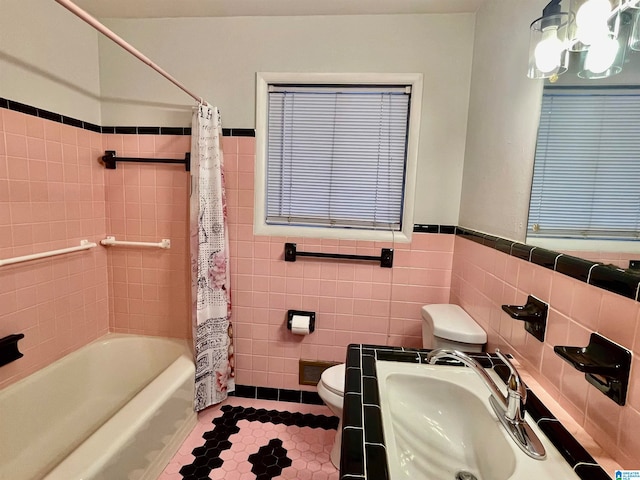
(300, 324)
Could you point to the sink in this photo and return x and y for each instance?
(438, 425)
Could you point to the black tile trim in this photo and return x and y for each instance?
(171, 130)
(148, 130)
(574, 267)
(311, 398)
(92, 127)
(54, 117)
(124, 130)
(607, 277)
(424, 228)
(365, 449)
(22, 108)
(522, 251)
(242, 132)
(73, 122)
(591, 472)
(615, 280)
(545, 258)
(294, 396)
(279, 394)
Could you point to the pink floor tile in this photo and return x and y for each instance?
(300, 444)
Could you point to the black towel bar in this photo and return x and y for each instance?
(110, 160)
(385, 258)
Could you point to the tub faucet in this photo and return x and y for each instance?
(509, 409)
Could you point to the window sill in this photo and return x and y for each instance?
(332, 233)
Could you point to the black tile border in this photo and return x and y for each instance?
(123, 130)
(602, 276)
(207, 456)
(429, 228)
(278, 394)
(362, 454)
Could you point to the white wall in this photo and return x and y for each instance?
(218, 58)
(504, 109)
(49, 59)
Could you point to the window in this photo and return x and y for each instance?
(586, 180)
(335, 158)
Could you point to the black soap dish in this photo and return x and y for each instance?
(533, 314)
(9, 348)
(606, 365)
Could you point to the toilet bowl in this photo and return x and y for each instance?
(331, 391)
(443, 326)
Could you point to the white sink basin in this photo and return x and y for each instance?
(438, 422)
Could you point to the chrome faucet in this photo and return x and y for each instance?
(509, 409)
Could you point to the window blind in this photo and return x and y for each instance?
(336, 156)
(586, 180)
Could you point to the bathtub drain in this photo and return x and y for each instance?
(463, 475)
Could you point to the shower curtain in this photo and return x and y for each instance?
(210, 285)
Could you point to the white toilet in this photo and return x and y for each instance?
(443, 326)
(449, 326)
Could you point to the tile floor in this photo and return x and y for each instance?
(247, 439)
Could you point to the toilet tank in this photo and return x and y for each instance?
(449, 326)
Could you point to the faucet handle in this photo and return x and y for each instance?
(506, 361)
(515, 382)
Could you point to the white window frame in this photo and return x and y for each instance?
(263, 80)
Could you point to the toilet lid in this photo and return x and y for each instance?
(333, 378)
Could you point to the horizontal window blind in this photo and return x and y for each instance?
(586, 180)
(336, 156)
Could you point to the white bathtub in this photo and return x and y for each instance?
(117, 409)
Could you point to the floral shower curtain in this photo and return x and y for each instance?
(210, 278)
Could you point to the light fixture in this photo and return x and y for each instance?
(594, 33)
(589, 23)
(548, 55)
(634, 41)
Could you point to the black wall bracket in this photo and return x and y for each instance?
(9, 348)
(385, 258)
(533, 314)
(606, 365)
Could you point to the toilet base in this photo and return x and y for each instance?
(337, 447)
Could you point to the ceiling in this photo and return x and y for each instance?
(238, 8)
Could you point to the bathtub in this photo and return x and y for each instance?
(116, 409)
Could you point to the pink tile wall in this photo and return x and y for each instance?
(149, 288)
(484, 279)
(353, 301)
(147, 291)
(51, 197)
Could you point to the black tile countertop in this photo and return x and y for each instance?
(363, 448)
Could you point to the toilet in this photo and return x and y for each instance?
(443, 326)
(449, 326)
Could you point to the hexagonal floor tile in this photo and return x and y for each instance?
(245, 439)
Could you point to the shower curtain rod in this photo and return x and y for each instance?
(83, 15)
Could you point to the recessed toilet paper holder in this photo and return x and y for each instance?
(302, 313)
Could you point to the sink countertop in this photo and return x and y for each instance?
(363, 448)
